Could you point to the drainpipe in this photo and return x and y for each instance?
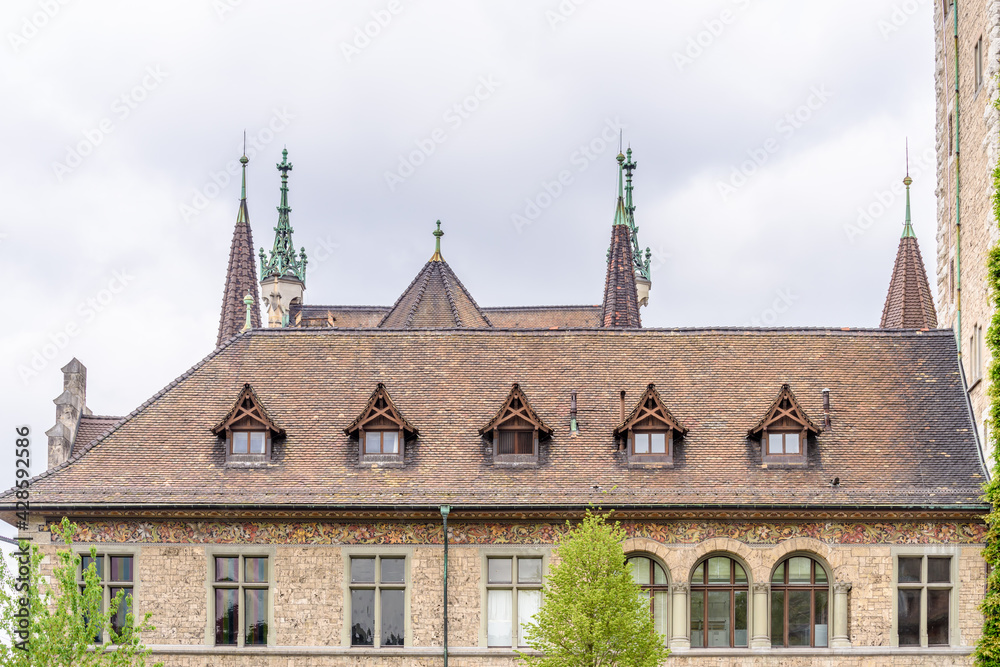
(445, 509)
(958, 200)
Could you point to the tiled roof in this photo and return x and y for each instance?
(241, 278)
(900, 434)
(435, 299)
(90, 428)
(909, 303)
(502, 317)
(344, 317)
(621, 302)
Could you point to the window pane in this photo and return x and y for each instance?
(86, 561)
(373, 442)
(529, 570)
(227, 569)
(718, 618)
(909, 570)
(255, 612)
(791, 443)
(363, 570)
(820, 574)
(390, 442)
(799, 610)
(506, 442)
(393, 570)
(779, 575)
(226, 614)
(937, 616)
(659, 576)
(257, 442)
(118, 621)
(362, 617)
(239, 442)
(392, 617)
(909, 617)
(499, 570)
(658, 443)
(121, 568)
(255, 570)
(525, 442)
(777, 618)
(661, 602)
(498, 619)
(528, 603)
(821, 614)
(774, 443)
(740, 615)
(799, 570)
(699, 574)
(740, 574)
(718, 570)
(697, 618)
(938, 570)
(641, 443)
(640, 570)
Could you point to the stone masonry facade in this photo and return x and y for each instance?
(309, 586)
(977, 126)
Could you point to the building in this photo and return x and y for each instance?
(306, 493)
(967, 151)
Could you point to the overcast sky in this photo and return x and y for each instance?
(761, 129)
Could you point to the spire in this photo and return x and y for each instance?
(621, 302)
(240, 276)
(436, 257)
(909, 304)
(283, 262)
(641, 267)
(907, 225)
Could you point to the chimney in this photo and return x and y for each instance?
(826, 408)
(71, 404)
(573, 427)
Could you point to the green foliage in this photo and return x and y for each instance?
(987, 653)
(63, 619)
(593, 614)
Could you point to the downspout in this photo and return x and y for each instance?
(445, 509)
(958, 198)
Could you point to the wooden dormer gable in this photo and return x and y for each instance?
(516, 413)
(248, 414)
(650, 413)
(381, 414)
(785, 414)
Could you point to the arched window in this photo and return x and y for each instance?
(800, 603)
(651, 576)
(719, 594)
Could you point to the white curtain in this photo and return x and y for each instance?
(528, 604)
(499, 616)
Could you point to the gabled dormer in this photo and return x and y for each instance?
(381, 430)
(784, 431)
(248, 429)
(515, 430)
(649, 431)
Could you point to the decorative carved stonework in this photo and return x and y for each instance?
(679, 588)
(842, 587)
(761, 589)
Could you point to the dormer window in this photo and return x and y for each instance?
(784, 431)
(515, 430)
(648, 432)
(248, 430)
(381, 430)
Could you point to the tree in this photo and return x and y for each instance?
(593, 614)
(55, 625)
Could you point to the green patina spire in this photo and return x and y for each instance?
(621, 216)
(284, 261)
(436, 257)
(248, 301)
(907, 225)
(641, 266)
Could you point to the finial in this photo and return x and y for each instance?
(907, 225)
(243, 161)
(248, 301)
(436, 257)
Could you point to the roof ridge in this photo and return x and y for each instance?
(420, 295)
(468, 295)
(451, 297)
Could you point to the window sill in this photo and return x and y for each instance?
(381, 460)
(651, 462)
(784, 463)
(247, 461)
(515, 460)
(973, 385)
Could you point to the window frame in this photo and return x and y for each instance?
(515, 457)
(107, 584)
(377, 552)
(381, 455)
(733, 587)
(211, 585)
(812, 587)
(485, 586)
(784, 458)
(650, 457)
(232, 456)
(925, 552)
(652, 588)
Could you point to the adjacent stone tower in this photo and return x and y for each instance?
(283, 274)
(621, 301)
(241, 278)
(71, 404)
(967, 55)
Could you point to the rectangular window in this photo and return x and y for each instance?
(248, 442)
(513, 591)
(120, 579)
(378, 600)
(784, 447)
(381, 442)
(516, 442)
(978, 60)
(241, 592)
(923, 600)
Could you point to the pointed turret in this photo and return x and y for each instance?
(241, 278)
(621, 301)
(436, 299)
(909, 304)
(642, 277)
(283, 274)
